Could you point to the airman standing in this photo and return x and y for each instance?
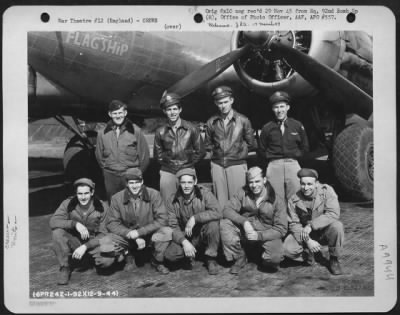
(120, 145)
(229, 136)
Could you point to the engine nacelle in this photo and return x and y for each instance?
(264, 74)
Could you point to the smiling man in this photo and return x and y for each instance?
(120, 145)
(282, 142)
(78, 226)
(314, 213)
(138, 223)
(177, 145)
(254, 216)
(229, 138)
(194, 215)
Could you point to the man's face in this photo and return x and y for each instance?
(84, 194)
(135, 185)
(173, 113)
(308, 185)
(256, 184)
(280, 110)
(224, 104)
(187, 183)
(118, 116)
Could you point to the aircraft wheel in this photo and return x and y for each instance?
(353, 161)
(80, 161)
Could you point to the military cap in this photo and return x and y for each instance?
(253, 172)
(133, 173)
(115, 105)
(221, 92)
(186, 171)
(170, 99)
(279, 96)
(307, 172)
(84, 182)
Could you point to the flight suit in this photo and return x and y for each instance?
(66, 238)
(322, 212)
(146, 214)
(269, 220)
(206, 211)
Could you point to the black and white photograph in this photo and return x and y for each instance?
(188, 163)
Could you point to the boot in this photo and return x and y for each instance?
(187, 264)
(130, 263)
(308, 257)
(212, 266)
(64, 275)
(269, 266)
(239, 264)
(159, 267)
(334, 266)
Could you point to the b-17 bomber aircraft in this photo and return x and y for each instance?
(327, 73)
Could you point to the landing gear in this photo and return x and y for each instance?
(80, 161)
(353, 160)
(79, 158)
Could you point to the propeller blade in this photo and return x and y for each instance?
(207, 72)
(326, 79)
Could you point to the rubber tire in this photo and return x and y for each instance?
(350, 161)
(79, 161)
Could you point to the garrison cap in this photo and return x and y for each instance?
(115, 105)
(84, 182)
(133, 173)
(254, 172)
(186, 171)
(221, 92)
(307, 172)
(279, 96)
(170, 99)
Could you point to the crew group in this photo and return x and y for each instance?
(285, 213)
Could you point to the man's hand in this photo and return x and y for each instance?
(141, 243)
(83, 231)
(189, 249)
(133, 235)
(79, 252)
(189, 226)
(313, 246)
(305, 233)
(251, 234)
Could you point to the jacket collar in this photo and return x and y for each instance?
(98, 206)
(270, 197)
(219, 117)
(145, 196)
(298, 198)
(196, 190)
(127, 125)
(184, 124)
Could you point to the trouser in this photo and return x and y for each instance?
(227, 181)
(113, 182)
(168, 185)
(233, 239)
(282, 174)
(157, 243)
(65, 243)
(206, 235)
(332, 235)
